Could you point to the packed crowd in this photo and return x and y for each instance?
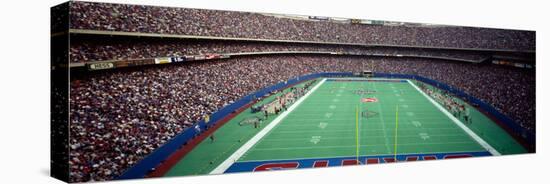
(198, 22)
(120, 116)
(94, 48)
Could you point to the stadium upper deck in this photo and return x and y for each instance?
(90, 48)
(198, 22)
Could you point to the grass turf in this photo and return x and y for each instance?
(324, 125)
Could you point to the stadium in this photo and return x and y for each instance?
(166, 91)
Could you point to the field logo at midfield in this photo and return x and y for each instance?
(367, 100)
(269, 165)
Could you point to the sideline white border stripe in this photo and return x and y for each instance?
(478, 139)
(245, 147)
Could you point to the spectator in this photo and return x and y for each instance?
(199, 22)
(120, 116)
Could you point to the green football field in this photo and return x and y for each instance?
(333, 121)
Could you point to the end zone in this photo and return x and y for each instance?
(268, 165)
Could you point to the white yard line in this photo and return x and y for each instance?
(353, 146)
(364, 79)
(245, 147)
(360, 121)
(478, 139)
(348, 137)
(382, 122)
(352, 129)
(314, 123)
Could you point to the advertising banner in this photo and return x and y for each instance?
(101, 66)
(163, 60)
(177, 59)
